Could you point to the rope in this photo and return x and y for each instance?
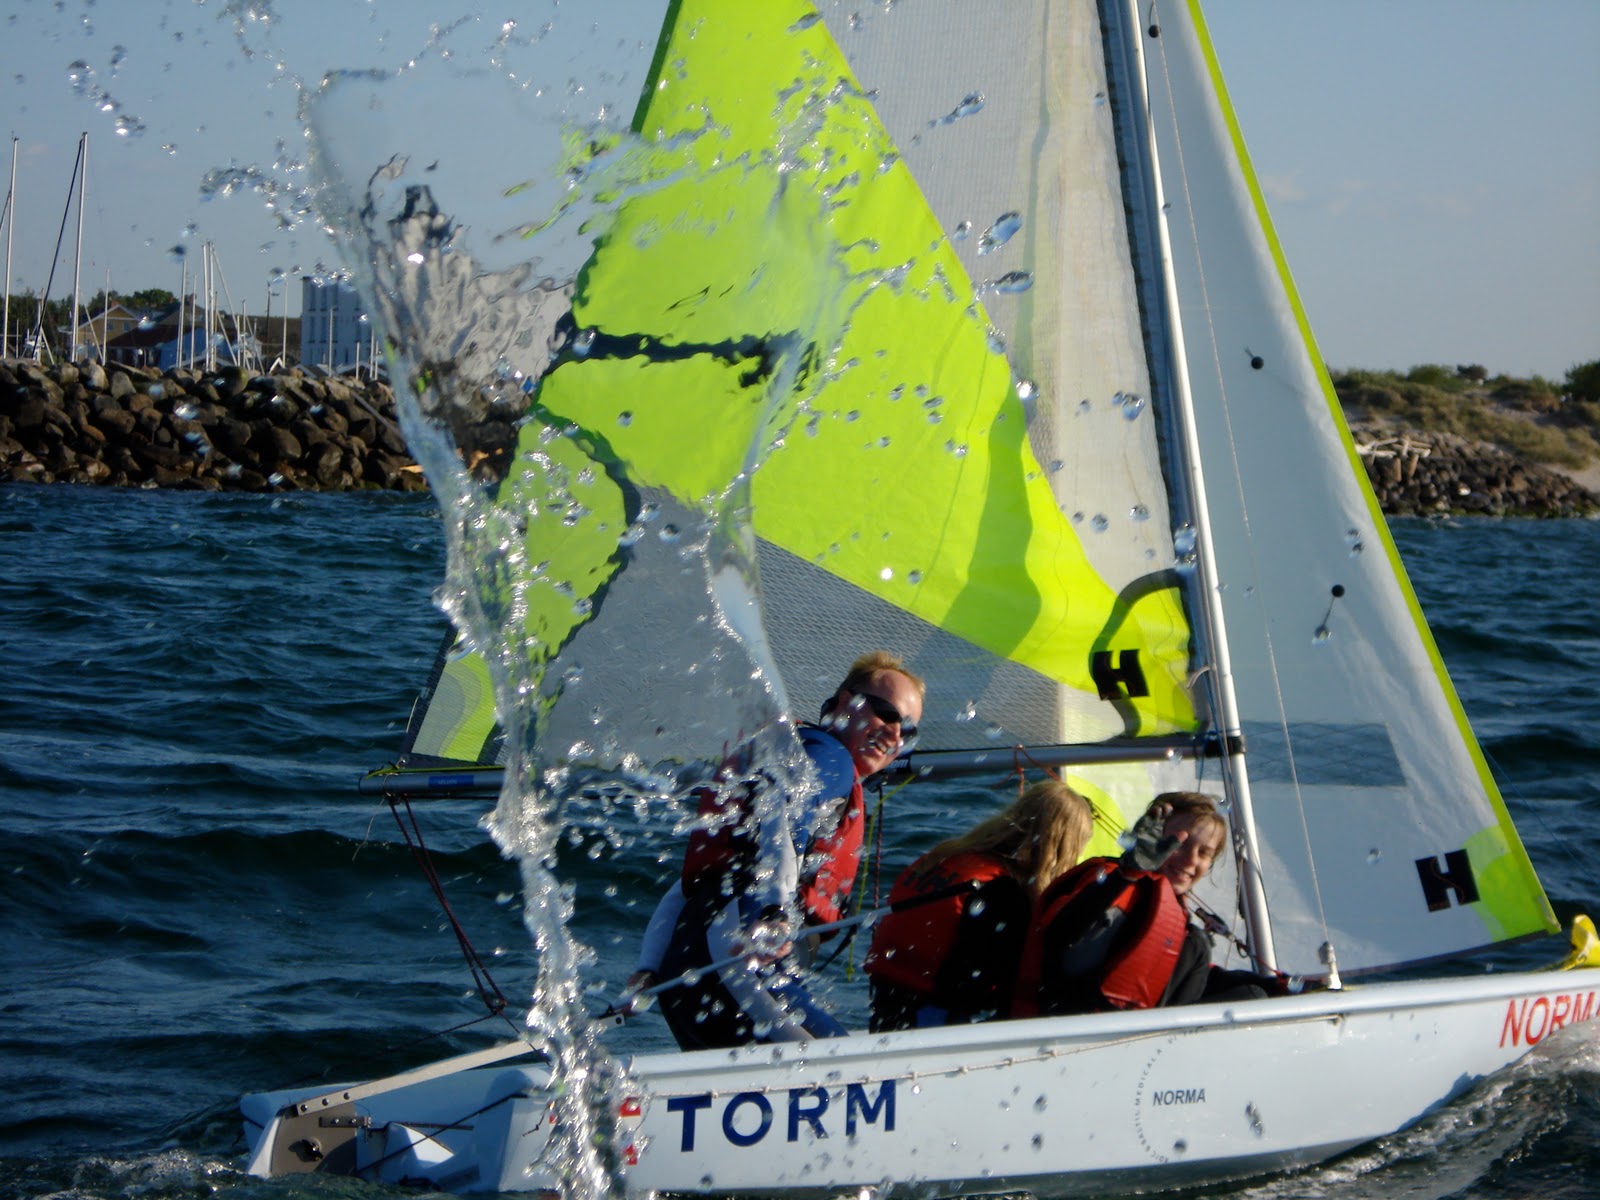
(488, 991)
(1111, 823)
(874, 835)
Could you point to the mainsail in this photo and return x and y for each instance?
(1013, 395)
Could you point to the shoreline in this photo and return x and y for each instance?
(234, 430)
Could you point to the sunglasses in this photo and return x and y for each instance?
(888, 714)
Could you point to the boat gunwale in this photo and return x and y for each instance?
(1070, 1034)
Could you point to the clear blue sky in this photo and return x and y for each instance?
(1433, 166)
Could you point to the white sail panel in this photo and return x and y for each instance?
(1011, 143)
(1381, 828)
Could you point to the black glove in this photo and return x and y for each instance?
(1151, 848)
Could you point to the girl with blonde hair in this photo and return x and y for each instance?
(953, 959)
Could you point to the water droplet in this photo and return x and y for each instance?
(1180, 1146)
(1013, 282)
(805, 22)
(914, 577)
(625, 419)
(1077, 518)
(669, 534)
(80, 75)
(969, 712)
(185, 409)
(993, 732)
(1056, 465)
(1002, 231)
(1132, 405)
(1254, 1115)
(1099, 523)
(1374, 857)
(1321, 634)
(961, 232)
(1038, 1141)
(970, 104)
(1027, 389)
(1041, 1104)
(1138, 513)
(997, 342)
(583, 342)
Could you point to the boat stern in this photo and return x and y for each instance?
(484, 1130)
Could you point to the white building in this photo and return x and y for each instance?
(334, 330)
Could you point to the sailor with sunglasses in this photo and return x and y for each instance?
(740, 886)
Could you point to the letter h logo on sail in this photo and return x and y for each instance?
(1440, 879)
(1125, 675)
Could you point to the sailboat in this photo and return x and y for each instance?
(1070, 449)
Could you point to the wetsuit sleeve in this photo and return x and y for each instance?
(658, 933)
(777, 880)
(817, 815)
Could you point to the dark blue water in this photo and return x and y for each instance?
(196, 902)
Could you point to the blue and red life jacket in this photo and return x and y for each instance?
(722, 851)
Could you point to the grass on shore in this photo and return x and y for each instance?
(1530, 418)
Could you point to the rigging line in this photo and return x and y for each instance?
(1244, 508)
(61, 235)
(873, 834)
(1107, 821)
(488, 991)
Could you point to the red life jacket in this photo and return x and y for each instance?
(721, 852)
(909, 947)
(1143, 955)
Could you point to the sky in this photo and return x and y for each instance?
(1432, 166)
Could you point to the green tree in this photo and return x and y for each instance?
(1583, 381)
(150, 300)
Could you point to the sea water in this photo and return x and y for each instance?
(197, 903)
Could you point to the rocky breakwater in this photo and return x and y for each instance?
(1434, 474)
(222, 430)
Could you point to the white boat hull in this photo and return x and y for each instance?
(1055, 1106)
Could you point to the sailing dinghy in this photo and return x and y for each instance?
(1083, 467)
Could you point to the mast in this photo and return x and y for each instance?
(209, 288)
(11, 225)
(77, 258)
(1218, 672)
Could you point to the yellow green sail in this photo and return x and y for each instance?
(783, 244)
